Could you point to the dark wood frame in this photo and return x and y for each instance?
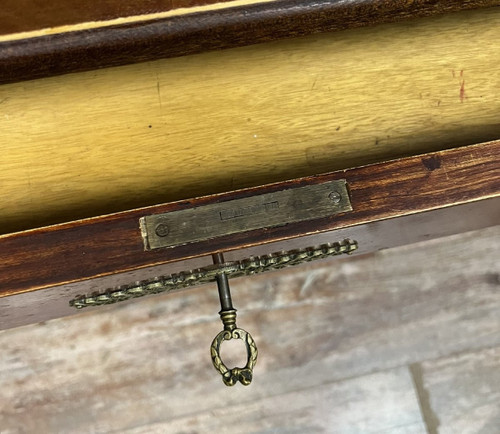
(142, 41)
(395, 202)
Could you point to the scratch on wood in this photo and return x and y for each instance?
(462, 91)
(308, 282)
(158, 90)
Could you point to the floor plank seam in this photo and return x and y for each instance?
(429, 416)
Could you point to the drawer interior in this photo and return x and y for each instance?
(85, 144)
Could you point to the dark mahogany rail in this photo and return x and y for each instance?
(82, 50)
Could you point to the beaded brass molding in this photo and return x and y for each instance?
(184, 279)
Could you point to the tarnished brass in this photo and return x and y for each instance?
(228, 316)
(220, 271)
(185, 279)
(295, 204)
(232, 376)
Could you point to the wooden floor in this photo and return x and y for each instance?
(402, 341)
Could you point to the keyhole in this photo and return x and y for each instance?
(233, 353)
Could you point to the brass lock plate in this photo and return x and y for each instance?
(267, 210)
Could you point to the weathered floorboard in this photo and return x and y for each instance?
(384, 402)
(464, 391)
(146, 363)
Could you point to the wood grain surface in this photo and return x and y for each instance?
(252, 22)
(343, 340)
(28, 15)
(110, 140)
(64, 17)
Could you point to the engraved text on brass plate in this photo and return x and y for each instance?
(205, 222)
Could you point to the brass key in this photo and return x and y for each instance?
(231, 331)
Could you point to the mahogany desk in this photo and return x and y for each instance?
(106, 115)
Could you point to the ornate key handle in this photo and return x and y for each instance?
(228, 317)
(232, 376)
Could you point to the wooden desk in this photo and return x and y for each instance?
(108, 140)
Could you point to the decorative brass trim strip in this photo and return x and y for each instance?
(184, 279)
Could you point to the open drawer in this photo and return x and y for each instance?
(383, 135)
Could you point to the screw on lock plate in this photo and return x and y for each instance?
(231, 331)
